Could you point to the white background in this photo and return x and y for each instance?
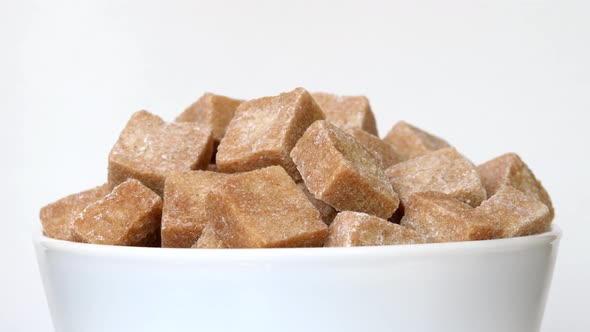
(489, 76)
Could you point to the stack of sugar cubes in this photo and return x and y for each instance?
(295, 170)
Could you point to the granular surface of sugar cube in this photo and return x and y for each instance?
(212, 111)
(442, 218)
(509, 169)
(351, 229)
(338, 170)
(209, 240)
(517, 213)
(128, 216)
(326, 211)
(379, 148)
(411, 142)
(444, 170)
(347, 112)
(263, 132)
(263, 209)
(150, 149)
(184, 215)
(57, 218)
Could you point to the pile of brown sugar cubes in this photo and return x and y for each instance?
(295, 170)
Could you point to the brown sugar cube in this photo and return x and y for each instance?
(509, 169)
(442, 218)
(263, 132)
(184, 215)
(214, 111)
(347, 112)
(57, 218)
(380, 149)
(326, 211)
(264, 209)
(411, 142)
(445, 171)
(352, 229)
(128, 216)
(517, 213)
(338, 170)
(150, 149)
(209, 240)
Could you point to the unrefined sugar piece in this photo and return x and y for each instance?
(57, 218)
(338, 170)
(445, 171)
(442, 218)
(213, 111)
(209, 240)
(150, 149)
(264, 209)
(184, 215)
(411, 142)
(347, 112)
(379, 148)
(327, 212)
(517, 213)
(351, 229)
(509, 169)
(128, 216)
(263, 132)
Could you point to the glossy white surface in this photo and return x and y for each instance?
(497, 285)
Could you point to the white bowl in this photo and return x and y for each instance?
(495, 285)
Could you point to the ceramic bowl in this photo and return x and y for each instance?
(494, 285)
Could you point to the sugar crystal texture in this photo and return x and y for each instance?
(347, 112)
(379, 148)
(184, 215)
(263, 132)
(213, 111)
(209, 240)
(264, 209)
(338, 170)
(150, 149)
(442, 218)
(509, 169)
(517, 213)
(326, 211)
(351, 229)
(411, 142)
(445, 171)
(128, 216)
(57, 218)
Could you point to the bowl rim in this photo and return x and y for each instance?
(45, 243)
